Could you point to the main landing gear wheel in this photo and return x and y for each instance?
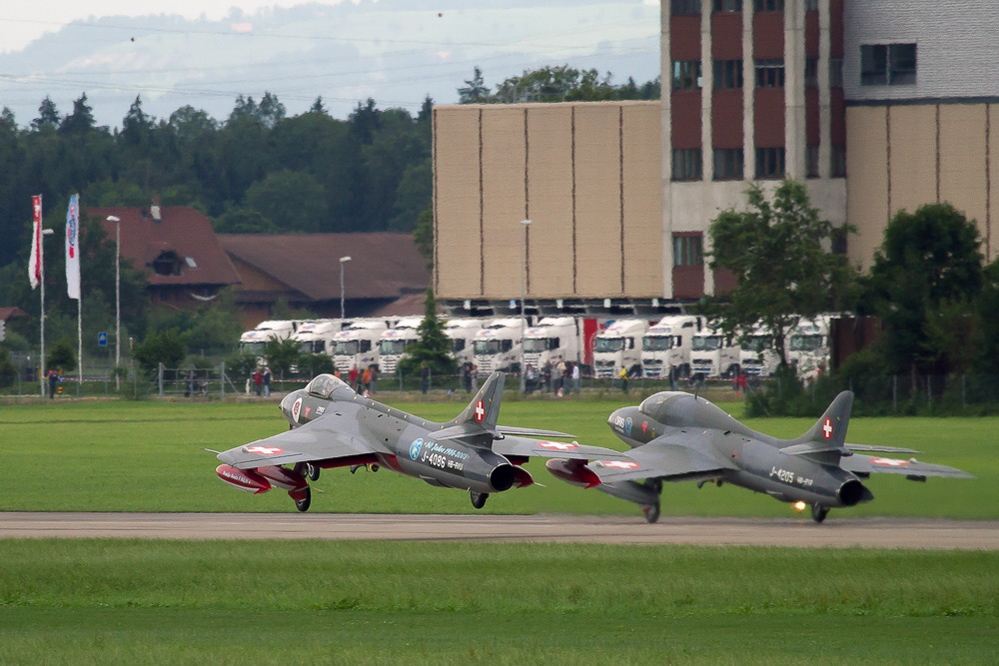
(304, 503)
(819, 512)
(312, 471)
(651, 512)
(478, 499)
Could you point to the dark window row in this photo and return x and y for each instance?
(770, 73)
(687, 164)
(686, 74)
(688, 250)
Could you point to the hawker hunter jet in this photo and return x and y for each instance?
(682, 437)
(333, 426)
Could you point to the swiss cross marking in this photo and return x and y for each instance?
(480, 411)
(891, 462)
(827, 429)
(558, 446)
(264, 450)
(620, 464)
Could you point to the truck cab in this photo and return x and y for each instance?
(316, 336)
(712, 355)
(668, 344)
(619, 345)
(756, 353)
(462, 333)
(808, 347)
(393, 343)
(357, 345)
(553, 337)
(254, 342)
(498, 346)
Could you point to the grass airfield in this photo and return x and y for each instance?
(107, 601)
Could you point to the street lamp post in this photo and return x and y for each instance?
(343, 260)
(523, 315)
(117, 297)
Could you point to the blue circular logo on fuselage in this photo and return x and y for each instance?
(415, 447)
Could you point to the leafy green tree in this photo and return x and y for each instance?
(988, 322)
(81, 119)
(216, 325)
(8, 373)
(281, 355)
(48, 115)
(61, 356)
(168, 347)
(777, 251)
(423, 235)
(475, 90)
(244, 221)
(433, 347)
(291, 200)
(925, 277)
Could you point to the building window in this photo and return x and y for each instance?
(686, 74)
(688, 250)
(835, 72)
(728, 163)
(837, 166)
(811, 72)
(887, 64)
(769, 5)
(728, 74)
(839, 240)
(770, 73)
(687, 164)
(811, 162)
(681, 7)
(728, 5)
(769, 163)
(811, 5)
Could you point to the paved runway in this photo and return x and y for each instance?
(866, 532)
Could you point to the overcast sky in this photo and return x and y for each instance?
(206, 52)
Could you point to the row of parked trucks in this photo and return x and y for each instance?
(677, 346)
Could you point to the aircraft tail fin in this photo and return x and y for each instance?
(827, 438)
(481, 413)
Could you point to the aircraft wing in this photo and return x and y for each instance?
(911, 468)
(523, 446)
(312, 441)
(664, 458)
(531, 432)
(877, 448)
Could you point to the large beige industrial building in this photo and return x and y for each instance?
(877, 105)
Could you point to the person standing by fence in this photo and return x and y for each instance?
(266, 378)
(258, 381)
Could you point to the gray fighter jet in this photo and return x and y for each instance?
(333, 426)
(682, 437)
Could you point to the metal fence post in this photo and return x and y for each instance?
(222, 380)
(159, 380)
(894, 394)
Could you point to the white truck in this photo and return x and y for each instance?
(253, 342)
(808, 347)
(552, 338)
(756, 353)
(668, 344)
(712, 355)
(393, 342)
(316, 336)
(462, 333)
(497, 346)
(619, 345)
(356, 346)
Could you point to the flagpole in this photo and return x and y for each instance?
(79, 340)
(41, 268)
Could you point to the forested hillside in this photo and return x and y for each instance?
(255, 171)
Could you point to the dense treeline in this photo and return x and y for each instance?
(256, 171)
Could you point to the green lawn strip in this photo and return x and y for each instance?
(504, 578)
(195, 636)
(124, 456)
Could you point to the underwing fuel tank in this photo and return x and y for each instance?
(243, 479)
(573, 472)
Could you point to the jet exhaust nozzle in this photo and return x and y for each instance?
(853, 492)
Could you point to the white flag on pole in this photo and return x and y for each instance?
(73, 247)
(35, 262)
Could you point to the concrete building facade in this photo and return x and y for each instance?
(877, 105)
